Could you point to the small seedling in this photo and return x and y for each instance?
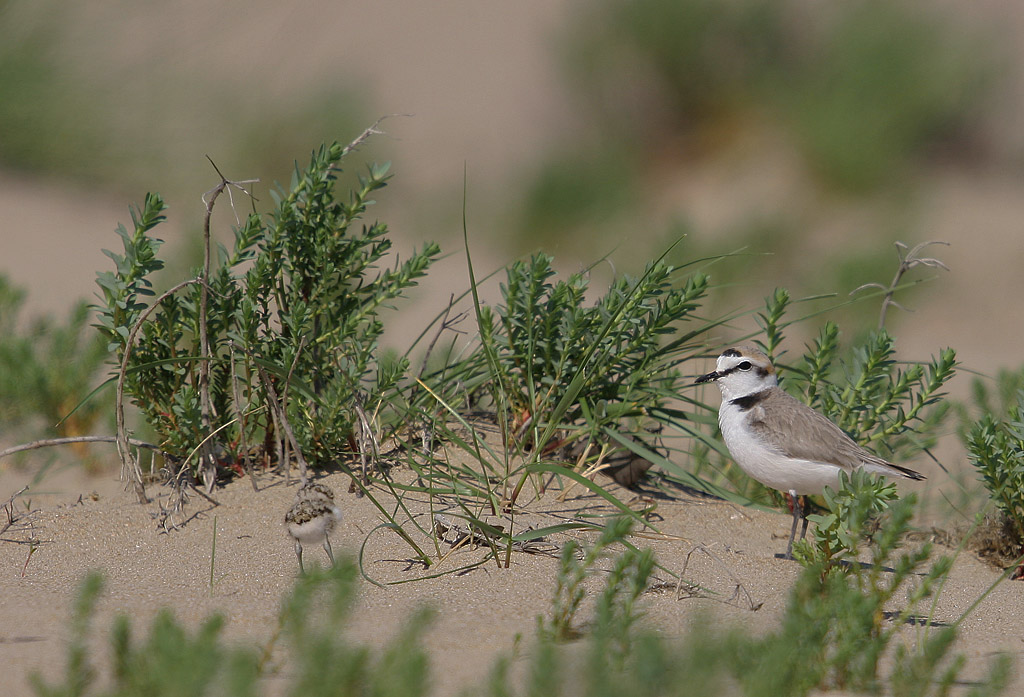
(32, 546)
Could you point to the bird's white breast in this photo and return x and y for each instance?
(765, 462)
(314, 521)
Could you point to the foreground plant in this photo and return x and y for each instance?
(325, 663)
(172, 662)
(832, 634)
(571, 386)
(865, 517)
(624, 584)
(853, 508)
(835, 633)
(837, 610)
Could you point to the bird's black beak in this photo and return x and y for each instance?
(710, 377)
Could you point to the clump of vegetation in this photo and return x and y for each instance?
(173, 117)
(864, 95)
(852, 509)
(574, 388)
(835, 632)
(880, 85)
(173, 661)
(995, 446)
(557, 362)
(325, 663)
(47, 371)
(864, 508)
(995, 539)
(701, 60)
(292, 309)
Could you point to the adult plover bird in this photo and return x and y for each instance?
(780, 441)
(312, 517)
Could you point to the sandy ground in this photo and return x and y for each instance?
(81, 524)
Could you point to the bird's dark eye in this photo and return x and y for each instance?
(745, 365)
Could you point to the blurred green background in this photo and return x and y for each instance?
(807, 136)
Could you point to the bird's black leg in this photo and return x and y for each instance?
(298, 553)
(327, 548)
(803, 510)
(798, 513)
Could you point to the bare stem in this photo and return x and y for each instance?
(237, 401)
(908, 259)
(373, 130)
(129, 464)
(367, 440)
(8, 508)
(207, 466)
(278, 409)
(49, 442)
(446, 324)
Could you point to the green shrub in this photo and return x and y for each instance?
(560, 363)
(996, 449)
(48, 369)
(297, 300)
(314, 618)
(75, 109)
(172, 662)
(833, 633)
(883, 84)
(700, 60)
(616, 608)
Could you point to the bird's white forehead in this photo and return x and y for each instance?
(732, 357)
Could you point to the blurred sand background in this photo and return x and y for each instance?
(476, 88)
(480, 88)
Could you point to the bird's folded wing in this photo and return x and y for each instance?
(795, 430)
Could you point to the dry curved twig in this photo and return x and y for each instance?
(130, 465)
(49, 442)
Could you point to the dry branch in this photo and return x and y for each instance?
(207, 465)
(908, 258)
(277, 408)
(240, 416)
(367, 440)
(373, 130)
(129, 464)
(49, 442)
